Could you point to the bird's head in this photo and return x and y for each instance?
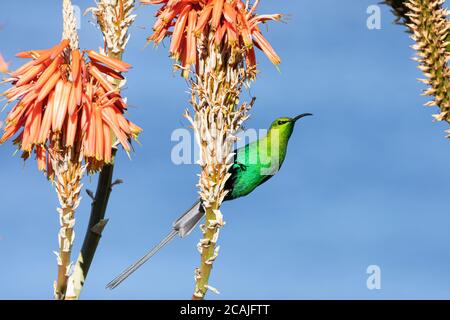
(285, 125)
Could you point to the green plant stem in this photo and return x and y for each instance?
(208, 249)
(97, 222)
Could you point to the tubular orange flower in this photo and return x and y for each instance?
(4, 66)
(233, 22)
(62, 96)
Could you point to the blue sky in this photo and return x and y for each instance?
(365, 182)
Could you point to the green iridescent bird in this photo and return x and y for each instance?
(253, 165)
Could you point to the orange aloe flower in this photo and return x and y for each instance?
(232, 22)
(62, 97)
(3, 65)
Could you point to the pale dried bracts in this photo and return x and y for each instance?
(114, 18)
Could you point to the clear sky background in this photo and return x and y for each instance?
(365, 182)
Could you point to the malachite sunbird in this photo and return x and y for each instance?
(254, 164)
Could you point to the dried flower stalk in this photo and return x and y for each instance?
(68, 171)
(218, 117)
(429, 27)
(216, 39)
(114, 18)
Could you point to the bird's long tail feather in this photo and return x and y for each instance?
(183, 226)
(127, 272)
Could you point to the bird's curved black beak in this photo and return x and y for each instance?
(301, 116)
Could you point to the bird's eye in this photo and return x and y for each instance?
(280, 122)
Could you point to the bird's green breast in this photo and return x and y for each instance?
(256, 163)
